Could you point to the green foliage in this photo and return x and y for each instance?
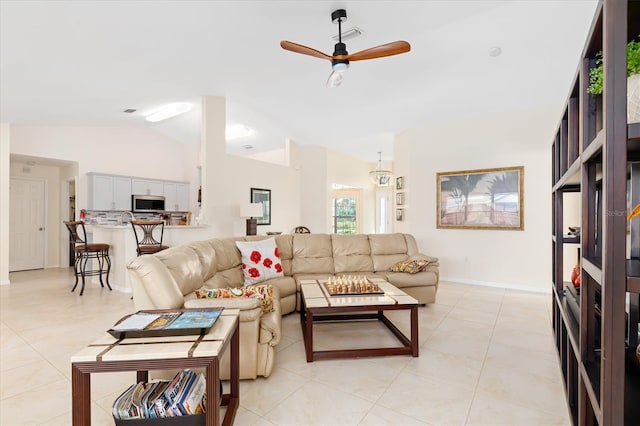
(633, 67)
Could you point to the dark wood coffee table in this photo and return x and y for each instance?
(317, 306)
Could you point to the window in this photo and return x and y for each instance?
(345, 211)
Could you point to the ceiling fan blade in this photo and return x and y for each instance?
(298, 48)
(383, 50)
(334, 80)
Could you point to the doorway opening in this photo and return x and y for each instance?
(346, 211)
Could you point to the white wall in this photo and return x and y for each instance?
(315, 210)
(349, 171)
(319, 168)
(284, 183)
(276, 156)
(520, 259)
(129, 151)
(5, 149)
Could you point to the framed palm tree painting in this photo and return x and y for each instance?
(481, 199)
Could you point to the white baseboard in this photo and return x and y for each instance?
(510, 286)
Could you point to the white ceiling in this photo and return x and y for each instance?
(81, 63)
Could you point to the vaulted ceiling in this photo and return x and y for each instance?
(81, 63)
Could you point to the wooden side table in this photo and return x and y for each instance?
(109, 354)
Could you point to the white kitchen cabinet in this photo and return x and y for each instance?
(176, 196)
(122, 193)
(109, 192)
(147, 187)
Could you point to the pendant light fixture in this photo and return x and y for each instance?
(379, 176)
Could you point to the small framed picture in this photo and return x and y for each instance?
(399, 215)
(262, 196)
(400, 198)
(400, 183)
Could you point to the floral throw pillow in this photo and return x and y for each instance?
(410, 266)
(260, 260)
(262, 292)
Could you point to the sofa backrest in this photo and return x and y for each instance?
(208, 258)
(228, 263)
(312, 254)
(285, 247)
(351, 253)
(217, 262)
(387, 249)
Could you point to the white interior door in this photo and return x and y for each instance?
(26, 224)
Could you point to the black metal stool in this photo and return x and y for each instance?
(146, 241)
(84, 251)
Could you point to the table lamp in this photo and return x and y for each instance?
(251, 212)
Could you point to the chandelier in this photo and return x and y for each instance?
(379, 176)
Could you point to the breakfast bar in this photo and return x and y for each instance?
(123, 246)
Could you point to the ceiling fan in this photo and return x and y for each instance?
(341, 58)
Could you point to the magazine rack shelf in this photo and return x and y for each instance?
(597, 153)
(109, 354)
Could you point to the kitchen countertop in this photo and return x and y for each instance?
(128, 226)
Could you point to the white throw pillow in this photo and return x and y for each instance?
(260, 260)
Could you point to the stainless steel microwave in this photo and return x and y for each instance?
(147, 203)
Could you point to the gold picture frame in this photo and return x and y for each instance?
(481, 199)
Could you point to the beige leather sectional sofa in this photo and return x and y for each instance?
(168, 280)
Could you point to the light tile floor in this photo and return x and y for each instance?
(486, 358)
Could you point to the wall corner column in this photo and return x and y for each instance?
(216, 209)
(5, 179)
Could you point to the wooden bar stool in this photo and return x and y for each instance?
(145, 239)
(84, 251)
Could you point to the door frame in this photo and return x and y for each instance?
(45, 239)
(65, 192)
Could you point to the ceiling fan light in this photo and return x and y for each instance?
(340, 65)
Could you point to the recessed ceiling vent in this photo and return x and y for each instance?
(349, 34)
(129, 110)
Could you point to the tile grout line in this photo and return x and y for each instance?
(484, 359)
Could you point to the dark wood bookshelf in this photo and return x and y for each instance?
(633, 276)
(593, 267)
(596, 152)
(571, 239)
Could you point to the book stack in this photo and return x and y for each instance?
(182, 396)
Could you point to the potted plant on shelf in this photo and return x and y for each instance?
(633, 80)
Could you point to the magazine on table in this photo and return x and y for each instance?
(166, 323)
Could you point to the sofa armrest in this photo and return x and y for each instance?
(433, 261)
(152, 284)
(250, 310)
(271, 325)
